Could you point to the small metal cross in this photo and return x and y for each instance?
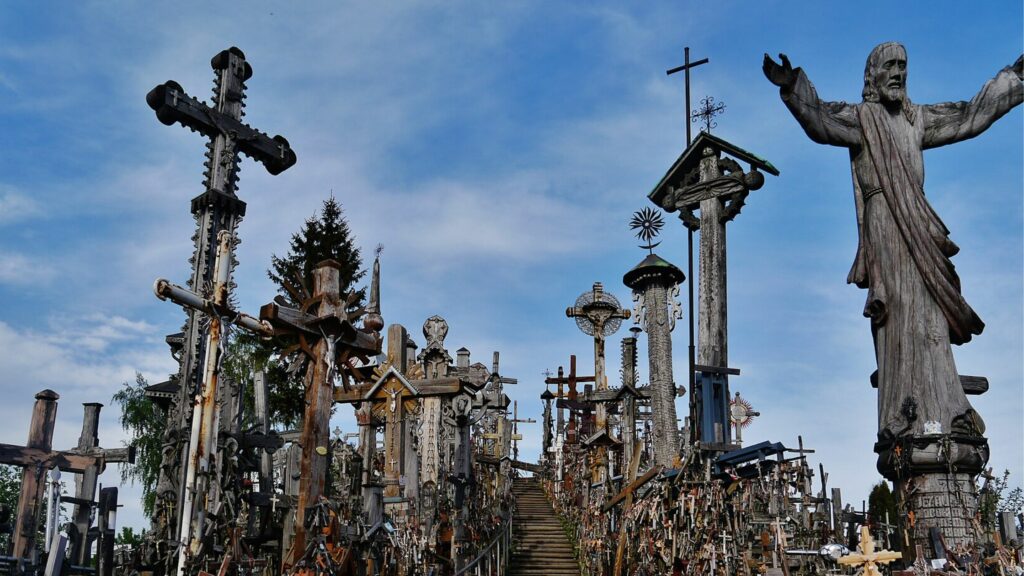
(707, 111)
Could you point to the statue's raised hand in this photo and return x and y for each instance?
(782, 75)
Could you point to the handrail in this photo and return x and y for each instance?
(498, 549)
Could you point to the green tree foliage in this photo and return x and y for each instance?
(248, 354)
(995, 497)
(10, 489)
(128, 537)
(324, 236)
(144, 422)
(881, 500)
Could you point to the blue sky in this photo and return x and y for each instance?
(497, 151)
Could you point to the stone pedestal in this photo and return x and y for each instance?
(934, 477)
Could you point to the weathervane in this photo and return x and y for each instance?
(708, 110)
(648, 223)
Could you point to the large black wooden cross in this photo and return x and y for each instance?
(216, 209)
(222, 122)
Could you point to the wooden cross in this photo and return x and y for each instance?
(222, 121)
(516, 437)
(599, 313)
(718, 186)
(867, 556)
(571, 380)
(85, 483)
(36, 458)
(215, 210)
(328, 338)
(201, 489)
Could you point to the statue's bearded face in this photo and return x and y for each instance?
(890, 74)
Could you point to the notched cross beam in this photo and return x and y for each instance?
(173, 105)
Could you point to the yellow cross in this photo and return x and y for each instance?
(867, 556)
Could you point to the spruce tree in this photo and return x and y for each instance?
(324, 236)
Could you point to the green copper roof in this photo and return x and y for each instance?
(653, 266)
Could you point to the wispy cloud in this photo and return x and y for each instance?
(20, 270)
(15, 206)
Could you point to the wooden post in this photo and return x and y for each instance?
(634, 466)
(85, 485)
(712, 318)
(319, 399)
(40, 437)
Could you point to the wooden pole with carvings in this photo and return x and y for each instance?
(708, 177)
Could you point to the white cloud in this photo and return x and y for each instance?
(20, 270)
(15, 206)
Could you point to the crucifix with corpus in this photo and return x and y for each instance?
(326, 340)
(598, 314)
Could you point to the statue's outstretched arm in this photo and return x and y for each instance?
(951, 122)
(832, 123)
(782, 75)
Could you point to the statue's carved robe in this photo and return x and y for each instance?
(914, 298)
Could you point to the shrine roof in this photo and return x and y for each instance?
(164, 389)
(653, 265)
(602, 438)
(690, 159)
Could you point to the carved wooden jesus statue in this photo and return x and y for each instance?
(914, 300)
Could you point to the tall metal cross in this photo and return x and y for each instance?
(691, 349)
(707, 111)
(685, 68)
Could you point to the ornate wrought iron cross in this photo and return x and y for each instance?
(707, 111)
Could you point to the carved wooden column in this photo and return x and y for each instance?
(653, 281)
(704, 178)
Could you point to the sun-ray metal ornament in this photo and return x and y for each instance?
(741, 412)
(648, 223)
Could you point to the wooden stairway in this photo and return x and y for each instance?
(540, 545)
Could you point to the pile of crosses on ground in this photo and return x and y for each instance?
(717, 507)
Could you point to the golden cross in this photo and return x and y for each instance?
(867, 555)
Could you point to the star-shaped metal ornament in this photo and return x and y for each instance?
(648, 224)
